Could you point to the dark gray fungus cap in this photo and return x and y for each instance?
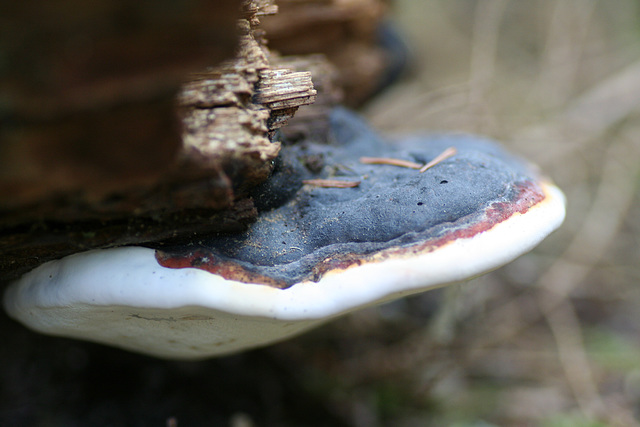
(315, 252)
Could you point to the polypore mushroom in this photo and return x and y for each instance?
(318, 250)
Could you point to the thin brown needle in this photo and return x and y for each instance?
(331, 183)
(451, 151)
(389, 161)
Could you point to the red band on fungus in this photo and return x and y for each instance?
(528, 195)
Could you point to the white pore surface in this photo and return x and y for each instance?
(123, 297)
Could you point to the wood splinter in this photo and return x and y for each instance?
(331, 183)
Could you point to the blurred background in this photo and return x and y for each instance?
(553, 339)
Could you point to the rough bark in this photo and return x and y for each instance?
(88, 91)
(140, 163)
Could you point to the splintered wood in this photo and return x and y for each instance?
(230, 111)
(346, 32)
(283, 91)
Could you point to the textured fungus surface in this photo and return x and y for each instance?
(315, 252)
(394, 211)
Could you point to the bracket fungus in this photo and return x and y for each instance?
(316, 251)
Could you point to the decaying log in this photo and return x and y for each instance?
(88, 91)
(144, 164)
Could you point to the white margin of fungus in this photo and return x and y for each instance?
(59, 297)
